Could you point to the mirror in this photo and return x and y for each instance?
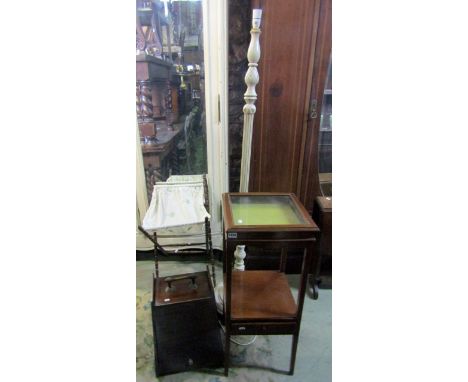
(325, 137)
(170, 96)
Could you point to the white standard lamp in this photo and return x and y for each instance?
(250, 96)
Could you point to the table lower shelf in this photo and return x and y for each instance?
(262, 296)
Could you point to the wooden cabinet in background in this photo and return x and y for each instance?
(296, 46)
(295, 53)
(154, 106)
(322, 215)
(153, 94)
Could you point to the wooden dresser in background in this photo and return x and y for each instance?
(293, 68)
(156, 115)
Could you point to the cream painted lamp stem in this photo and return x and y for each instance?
(250, 96)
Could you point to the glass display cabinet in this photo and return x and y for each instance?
(325, 137)
(261, 301)
(322, 207)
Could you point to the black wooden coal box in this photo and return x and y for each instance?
(185, 326)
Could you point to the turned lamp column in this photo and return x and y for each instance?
(250, 96)
(239, 256)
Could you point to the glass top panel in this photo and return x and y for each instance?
(265, 210)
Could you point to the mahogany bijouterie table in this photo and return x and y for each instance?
(260, 302)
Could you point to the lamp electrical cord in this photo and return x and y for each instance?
(237, 342)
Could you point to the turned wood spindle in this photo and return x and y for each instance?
(138, 101)
(250, 96)
(146, 100)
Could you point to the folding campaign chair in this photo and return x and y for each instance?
(185, 326)
(179, 210)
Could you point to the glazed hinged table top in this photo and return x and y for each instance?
(276, 210)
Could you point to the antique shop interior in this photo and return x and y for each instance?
(234, 190)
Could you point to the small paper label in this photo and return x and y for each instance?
(232, 235)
